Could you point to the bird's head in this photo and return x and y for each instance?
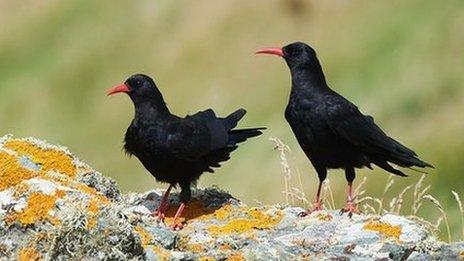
(302, 61)
(140, 88)
(295, 54)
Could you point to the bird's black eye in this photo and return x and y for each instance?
(138, 82)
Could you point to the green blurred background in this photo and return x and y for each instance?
(401, 61)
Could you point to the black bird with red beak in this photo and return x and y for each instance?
(331, 130)
(173, 149)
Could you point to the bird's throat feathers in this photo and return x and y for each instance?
(151, 109)
(307, 76)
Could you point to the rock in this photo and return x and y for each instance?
(54, 206)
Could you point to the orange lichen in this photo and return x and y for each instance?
(86, 189)
(144, 235)
(223, 212)
(193, 210)
(21, 189)
(162, 253)
(324, 217)
(236, 257)
(196, 248)
(60, 193)
(225, 247)
(61, 179)
(93, 208)
(11, 173)
(28, 254)
(207, 258)
(49, 159)
(383, 228)
(38, 206)
(256, 219)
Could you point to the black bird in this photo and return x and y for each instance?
(331, 130)
(173, 149)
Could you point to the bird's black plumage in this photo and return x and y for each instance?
(331, 130)
(178, 150)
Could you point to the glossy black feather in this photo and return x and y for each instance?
(330, 129)
(178, 150)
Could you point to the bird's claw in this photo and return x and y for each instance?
(176, 225)
(316, 207)
(159, 214)
(350, 208)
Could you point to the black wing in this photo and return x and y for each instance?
(346, 120)
(204, 136)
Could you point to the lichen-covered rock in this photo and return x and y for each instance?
(53, 206)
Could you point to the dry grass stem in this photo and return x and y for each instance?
(398, 201)
(437, 204)
(293, 194)
(461, 210)
(390, 182)
(282, 148)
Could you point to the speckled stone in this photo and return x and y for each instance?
(91, 220)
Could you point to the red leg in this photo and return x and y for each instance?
(175, 224)
(164, 205)
(317, 204)
(350, 207)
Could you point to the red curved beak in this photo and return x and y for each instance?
(117, 89)
(273, 50)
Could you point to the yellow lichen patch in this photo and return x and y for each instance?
(101, 199)
(37, 209)
(207, 258)
(144, 235)
(324, 217)
(256, 219)
(383, 228)
(223, 212)
(196, 248)
(193, 210)
(60, 179)
(21, 189)
(92, 208)
(49, 159)
(60, 193)
(236, 257)
(86, 189)
(28, 254)
(11, 173)
(225, 247)
(162, 253)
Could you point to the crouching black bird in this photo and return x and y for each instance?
(331, 130)
(173, 149)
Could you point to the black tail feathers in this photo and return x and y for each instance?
(241, 135)
(232, 120)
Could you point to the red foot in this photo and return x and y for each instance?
(317, 206)
(160, 213)
(175, 223)
(176, 226)
(350, 208)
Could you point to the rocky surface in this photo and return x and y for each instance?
(53, 206)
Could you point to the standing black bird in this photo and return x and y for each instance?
(177, 150)
(330, 129)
